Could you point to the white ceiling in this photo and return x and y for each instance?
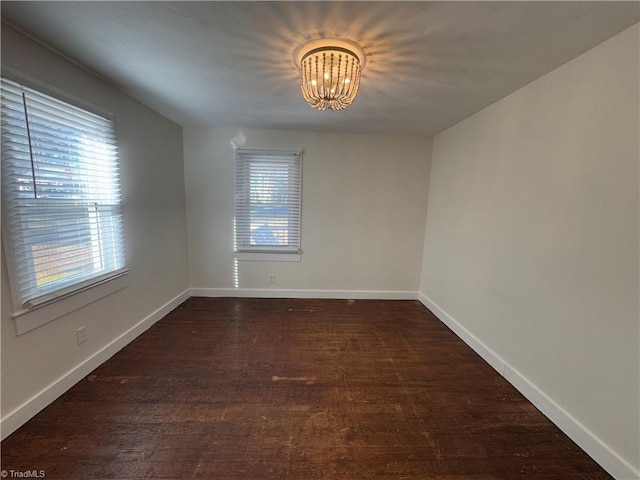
(230, 64)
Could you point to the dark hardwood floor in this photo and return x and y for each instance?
(282, 389)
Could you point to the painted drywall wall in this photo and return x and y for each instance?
(532, 242)
(151, 169)
(363, 207)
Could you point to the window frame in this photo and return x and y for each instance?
(242, 191)
(60, 301)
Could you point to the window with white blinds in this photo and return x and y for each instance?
(61, 196)
(268, 201)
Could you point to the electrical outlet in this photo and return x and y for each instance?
(272, 278)
(81, 334)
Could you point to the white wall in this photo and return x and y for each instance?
(363, 209)
(532, 240)
(40, 364)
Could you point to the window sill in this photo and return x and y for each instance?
(29, 319)
(268, 257)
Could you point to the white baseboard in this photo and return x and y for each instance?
(591, 444)
(273, 293)
(18, 417)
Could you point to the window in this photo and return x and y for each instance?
(61, 197)
(268, 199)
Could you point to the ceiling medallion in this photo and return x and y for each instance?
(330, 72)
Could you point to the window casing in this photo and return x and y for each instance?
(62, 216)
(268, 188)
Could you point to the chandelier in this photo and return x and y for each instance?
(330, 73)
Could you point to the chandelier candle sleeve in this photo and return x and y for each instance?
(330, 76)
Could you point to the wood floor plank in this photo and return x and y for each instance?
(297, 389)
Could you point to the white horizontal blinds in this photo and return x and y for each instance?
(268, 199)
(61, 193)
